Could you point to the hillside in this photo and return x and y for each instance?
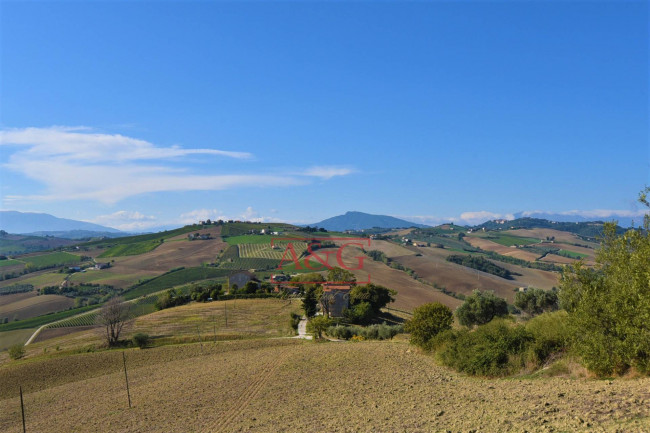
(587, 229)
(30, 222)
(415, 262)
(11, 244)
(359, 221)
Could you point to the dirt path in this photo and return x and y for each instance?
(302, 330)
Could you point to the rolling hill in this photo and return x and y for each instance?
(360, 221)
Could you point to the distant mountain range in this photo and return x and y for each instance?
(623, 221)
(360, 221)
(42, 224)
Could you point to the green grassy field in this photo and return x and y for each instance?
(176, 278)
(131, 249)
(46, 279)
(509, 240)
(52, 259)
(10, 262)
(42, 320)
(572, 254)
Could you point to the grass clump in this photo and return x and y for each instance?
(16, 351)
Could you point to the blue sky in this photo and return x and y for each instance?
(142, 114)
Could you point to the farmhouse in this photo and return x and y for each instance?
(335, 299)
(102, 265)
(241, 278)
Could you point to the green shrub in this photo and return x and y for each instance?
(551, 334)
(536, 301)
(141, 340)
(494, 349)
(16, 351)
(294, 321)
(428, 321)
(480, 308)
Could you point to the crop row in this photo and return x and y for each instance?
(250, 263)
(265, 251)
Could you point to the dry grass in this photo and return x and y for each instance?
(389, 248)
(288, 386)
(247, 318)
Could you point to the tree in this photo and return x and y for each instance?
(318, 325)
(481, 307)
(340, 275)
(310, 302)
(377, 296)
(536, 301)
(113, 315)
(427, 322)
(609, 305)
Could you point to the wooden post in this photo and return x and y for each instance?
(22, 407)
(225, 307)
(126, 377)
(214, 320)
(200, 341)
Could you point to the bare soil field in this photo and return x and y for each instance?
(457, 278)
(35, 306)
(15, 297)
(290, 386)
(389, 248)
(531, 277)
(49, 333)
(410, 292)
(488, 245)
(174, 251)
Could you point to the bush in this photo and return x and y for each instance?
(495, 349)
(294, 321)
(536, 301)
(373, 332)
(16, 351)
(428, 321)
(480, 308)
(141, 340)
(550, 332)
(318, 325)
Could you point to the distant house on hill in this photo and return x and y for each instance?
(335, 299)
(102, 265)
(241, 278)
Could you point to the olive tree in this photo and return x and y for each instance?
(609, 304)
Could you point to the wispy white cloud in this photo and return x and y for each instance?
(327, 172)
(75, 163)
(126, 220)
(194, 216)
